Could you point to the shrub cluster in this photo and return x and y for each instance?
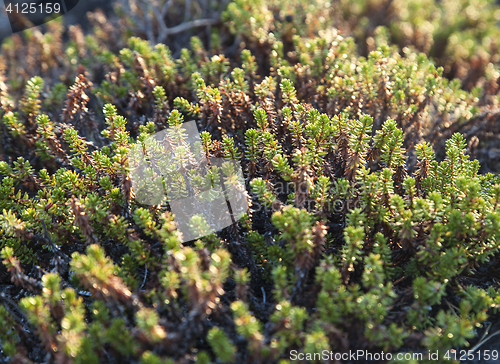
(357, 235)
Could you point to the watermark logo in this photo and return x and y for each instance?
(24, 14)
(205, 194)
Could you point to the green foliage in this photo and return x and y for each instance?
(12, 123)
(370, 223)
(221, 345)
(31, 102)
(9, 336)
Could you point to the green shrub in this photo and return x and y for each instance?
(357, 235)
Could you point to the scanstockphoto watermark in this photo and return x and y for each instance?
(25, 14)
(205, 194)
(338, 198)
(365, 355)
(351, 355)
